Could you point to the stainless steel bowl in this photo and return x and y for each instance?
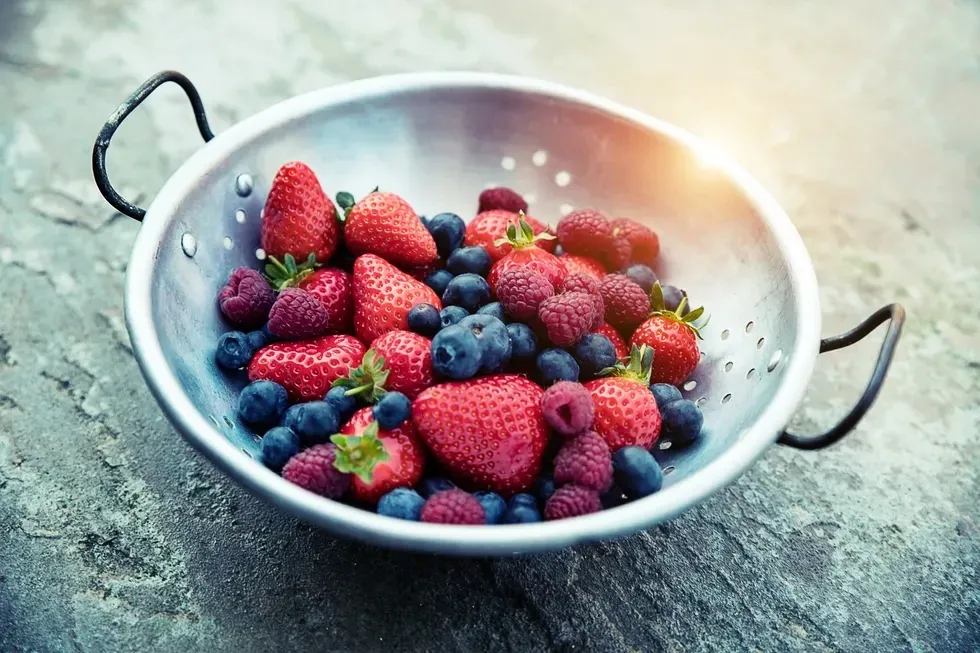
(438, 139)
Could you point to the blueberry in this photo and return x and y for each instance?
(523, 342)
(269, 335)
(401, 503)
(452, 315)
(521, 509)
(493, 505)
(544, 487)
(473, 260)
(493, 338)
(430, 486)
(424, 320)
(344, 404)
(439, 280)
(279, 444)
(637, 472)
(672, 298)
(665, 394)
(314, 422)
(391, 410)
(447, 230)
(257, 339)
(471, 291)
(495, 309)
(682, 422)
(556, 365)
(262, 403)
(594, 352)
(456, 353)
(234, 350)
(642, 276)
(613, 497)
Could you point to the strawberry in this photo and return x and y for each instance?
(306, 368)
(673, 335)
(583, 265)
(398, 360)
(380, 460)
(526, 253)
(298, 218)
(626, 412)
(386, 225)
(608, 330)
(489, 433)
(383, 296)
(490, 226)
(644, 243)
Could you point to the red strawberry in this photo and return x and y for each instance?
(489, 433)
(383, 296)
(644, 244)
(386, 225)
(298, 218)
(526, 253)
(490, 226)
(622, 351)
(626, 413)
(331, 286)
(583, 265)
(380, 460)
(673, 336)
(306, 368)
(501, 198)
(399, 361)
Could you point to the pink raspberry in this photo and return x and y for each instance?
(585, 460)
(568, 407)
(567, 317)
(644, 243)
(626, 303)
(581, 282)
(571, 501)
(313, 470)
(617, 255)
(585, 232)
(246, 298)
(453, 507)
(503, 199)
(298, 314)
(521, 291)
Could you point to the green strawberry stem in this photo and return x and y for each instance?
(359, 454)
(659, 308)
(638, 368)
(285, 274)
(521, 235)
(346, 202)
(367, 380)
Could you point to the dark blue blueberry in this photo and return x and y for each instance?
(452, 315)
(556, 365)
(493, 505)
(665, 394)
(447, 230)
(523, 499)
(391, 410)
(672, 298)
(439, 281)
(523, 342)
(494, 341)
(279, 444)
(262, 403)
(401, 503)
(521, 509)
(471, 291)
(682, 422)
(642, 276)
(613, 497)
(430, 486)
(344, 404)
(495, 309)
(637, 472)
(544, 487)
(424, 320)
(269, 335)
(473, 260)
(257, 339)
(594, 352)
(456, 353)
(234, 350)
(314, 422)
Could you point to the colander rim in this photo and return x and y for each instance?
(460, 540)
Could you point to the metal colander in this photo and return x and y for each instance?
(438, 140)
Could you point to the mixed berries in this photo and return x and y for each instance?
(430, 369)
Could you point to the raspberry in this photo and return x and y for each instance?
(583, 265)
(521, 291)
(313, 470)
(298, 314)
(568, 407)
(585, 232)
(580, 282)
(501, 198)
(571, 501)
(585, 460)
(453, 507)
(617, 254)
(645, 244)
(626, 303)
(246, 298)
(567, 317)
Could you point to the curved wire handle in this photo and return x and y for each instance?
(112, 124)
(894, 314)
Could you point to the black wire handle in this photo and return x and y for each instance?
(894, 314)
(120, 114)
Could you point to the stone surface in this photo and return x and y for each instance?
(860, 116)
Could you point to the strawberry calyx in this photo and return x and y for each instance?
(367, 380)
(359, 454)
(637, 367)
(521, 235)
(688, 318)
(346, 203)
(286, 273)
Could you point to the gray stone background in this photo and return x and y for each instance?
(860, 115)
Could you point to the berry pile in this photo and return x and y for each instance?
(434, 370)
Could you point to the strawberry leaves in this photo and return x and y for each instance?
(638, 366)
(360, 454)
(367, 380)
(689, 319)
(521, 235)
(287, 273)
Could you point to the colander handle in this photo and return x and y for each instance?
(894, 314)
(120, 114)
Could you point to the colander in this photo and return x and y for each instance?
(438, 139)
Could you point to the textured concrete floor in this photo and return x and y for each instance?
(860, 116)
